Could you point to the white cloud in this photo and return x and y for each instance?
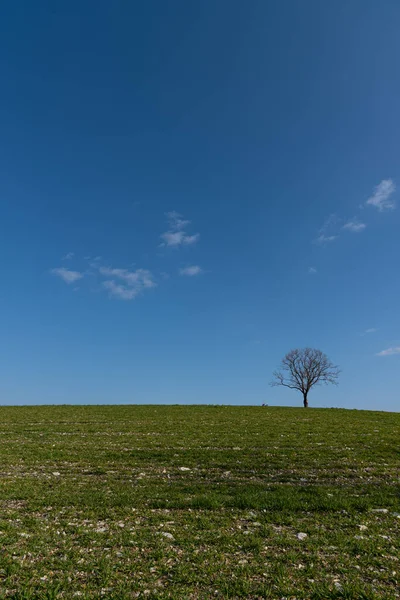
(68, 256)
(371, 330)
(191, 239)
(325, 234)
(67, 275)
(120, 291)
(176, 235)
(176, 222)
(389, 351)
(172, 238)
(324, 239)
(178, 238)
(134, 282)
(381, 196)
(191, 271)
(139, 278)
(121, 283)
(355, 226)
(312, 270)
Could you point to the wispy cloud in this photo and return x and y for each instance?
(381, 198)
(68, 256)
(191, 271)
(140, 277)
(327, 234)
(312, 270)
(370, 330)
(177, 235)
(134, 282)
(176, 222)
(354, 226)
(178, 238)
(325, 239)
(120, 291)
(389, 351)
(67, 275)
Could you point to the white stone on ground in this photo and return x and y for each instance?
(166, 534)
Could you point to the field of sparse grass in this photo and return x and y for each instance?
(199, 502)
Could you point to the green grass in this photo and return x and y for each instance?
(87, 494)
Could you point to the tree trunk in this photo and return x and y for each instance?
(305, 400)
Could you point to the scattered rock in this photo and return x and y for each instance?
(184, 469)
(338, 586)
(380, 510)
(56, 474)
(301, 536)
(166, 534)
(362, 527)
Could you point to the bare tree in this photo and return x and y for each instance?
(303, 368)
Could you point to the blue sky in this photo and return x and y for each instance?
(191, 189)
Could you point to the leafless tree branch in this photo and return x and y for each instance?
(303, 368)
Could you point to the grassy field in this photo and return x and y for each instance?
(199, 502)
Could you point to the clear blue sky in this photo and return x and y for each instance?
(190, 189)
